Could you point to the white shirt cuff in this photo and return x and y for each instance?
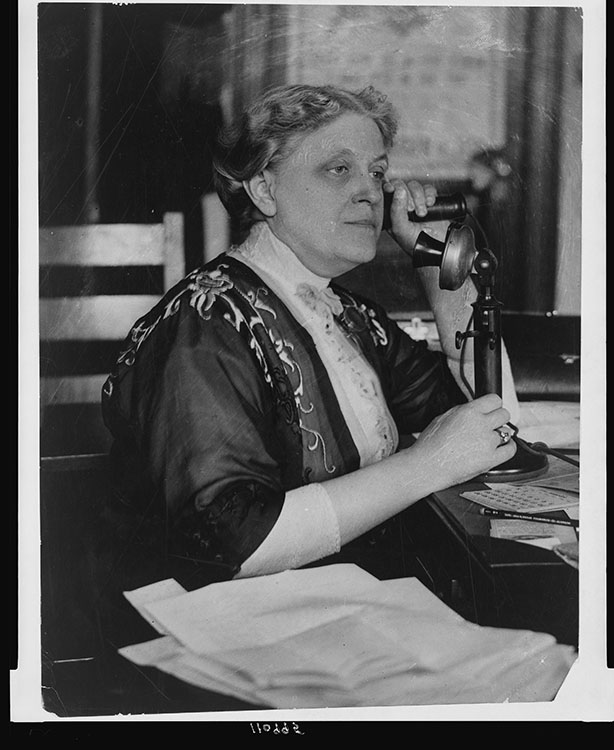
(307, 530)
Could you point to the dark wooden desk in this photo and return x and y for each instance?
(490, 581)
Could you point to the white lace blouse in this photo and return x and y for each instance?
(307, 528)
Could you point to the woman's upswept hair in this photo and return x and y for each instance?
(264, 133)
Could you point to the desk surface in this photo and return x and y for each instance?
(466, 514)
(475, 528)
(489, 580)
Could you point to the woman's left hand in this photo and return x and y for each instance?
(412, 196)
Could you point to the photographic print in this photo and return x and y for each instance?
(301, 424)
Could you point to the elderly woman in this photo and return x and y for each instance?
(259, 409)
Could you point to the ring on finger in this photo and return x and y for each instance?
(505, 436)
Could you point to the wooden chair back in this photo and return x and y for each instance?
(95, 281)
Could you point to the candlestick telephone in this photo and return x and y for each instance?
(459, 257)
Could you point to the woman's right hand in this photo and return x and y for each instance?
(463, 443)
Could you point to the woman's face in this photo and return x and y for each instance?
(327, 195)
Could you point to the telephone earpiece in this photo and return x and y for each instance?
(446, 208)
(456, 255)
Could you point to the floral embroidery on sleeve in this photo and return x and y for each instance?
(203, 287)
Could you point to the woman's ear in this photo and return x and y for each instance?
(260, 189)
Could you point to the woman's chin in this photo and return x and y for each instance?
(369, 252)
(357, 256)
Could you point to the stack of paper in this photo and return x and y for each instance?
(336, 636)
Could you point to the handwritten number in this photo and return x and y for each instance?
(258, 728)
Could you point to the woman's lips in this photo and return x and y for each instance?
(362, 223)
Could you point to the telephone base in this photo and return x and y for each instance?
(525, 464)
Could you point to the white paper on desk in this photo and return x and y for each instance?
(430, 661)
(170, 656)
(555, 423)
(568, 486)
(542, 491)
(212, 618)
(573, 511)
(561, 476)
(380, 643)
(357, 648)
(528, 667)
(527, 532)
(537, 534)
(319, 664)
(159, 591)
(521, 499)
(339, 655)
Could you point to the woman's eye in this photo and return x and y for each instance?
(338, 169)
(379, 174)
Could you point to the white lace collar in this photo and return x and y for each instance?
(265, 251)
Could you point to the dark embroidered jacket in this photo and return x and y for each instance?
(219, 404)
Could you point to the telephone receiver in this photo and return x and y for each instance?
(456, 255)
(446, 208)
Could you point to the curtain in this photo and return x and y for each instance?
(256, 51)
(526, 224)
